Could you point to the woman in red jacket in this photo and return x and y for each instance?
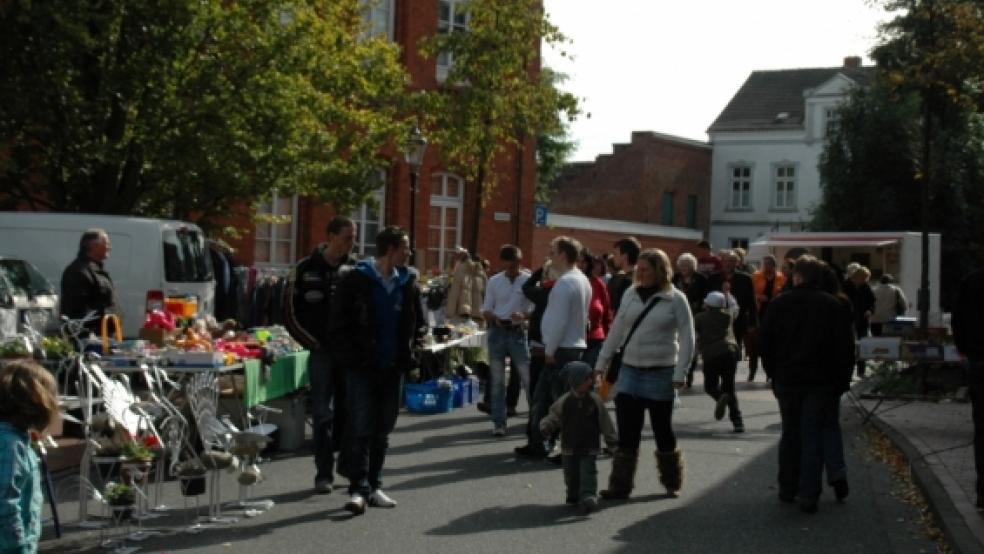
(600, 310)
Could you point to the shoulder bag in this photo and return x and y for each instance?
(612, 374)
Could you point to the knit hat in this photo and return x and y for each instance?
(576, 373)
(716, 300)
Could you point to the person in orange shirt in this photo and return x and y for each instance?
(767, 283)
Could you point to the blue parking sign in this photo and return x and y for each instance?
(540, 215)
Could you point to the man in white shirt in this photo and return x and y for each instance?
(564, 329)
(506, 309)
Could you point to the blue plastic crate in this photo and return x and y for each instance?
(475, 390)
(428, 398)
(462, 392)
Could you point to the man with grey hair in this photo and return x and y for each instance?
(86, 285)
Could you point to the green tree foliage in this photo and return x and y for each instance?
(494, 96)
(917, 128)
(187, 108)
(553, 145)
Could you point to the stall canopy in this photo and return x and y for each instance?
(831, 240)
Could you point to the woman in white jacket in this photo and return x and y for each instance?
(654, 363)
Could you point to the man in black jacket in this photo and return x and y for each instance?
(626, 255)
(86, 285)
(375, 321)
(807, 347)
(739, 284)
(308, 299)
(968, 328)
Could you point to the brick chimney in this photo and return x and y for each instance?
(853, 62)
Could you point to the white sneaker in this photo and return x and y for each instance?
(499, 431)
(356, 504)
(379, 499)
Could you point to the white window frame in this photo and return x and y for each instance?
(445, 27)
(267, 208)
(744, 201)
(831, 119)
(439, 199)
(784, 186)
(365, 245)
(371, 9)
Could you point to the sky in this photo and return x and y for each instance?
(671, 66)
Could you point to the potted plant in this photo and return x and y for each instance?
(121, 499)
(137, 453)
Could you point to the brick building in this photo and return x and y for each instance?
(656, 188)
(444, 202)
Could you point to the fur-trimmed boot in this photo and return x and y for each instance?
(670, 466)
(622, 479)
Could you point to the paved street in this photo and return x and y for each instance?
(459, 489)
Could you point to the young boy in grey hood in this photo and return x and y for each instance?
(581, 417)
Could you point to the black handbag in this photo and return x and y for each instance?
(611, 375)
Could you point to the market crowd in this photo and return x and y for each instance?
(581, 329)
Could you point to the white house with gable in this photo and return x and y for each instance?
(766, 146)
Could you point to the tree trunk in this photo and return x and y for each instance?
(477, 209)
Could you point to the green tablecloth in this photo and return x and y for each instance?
(285, 376)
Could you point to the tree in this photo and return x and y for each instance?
(494, 97)
(189, 108)
(553, 145)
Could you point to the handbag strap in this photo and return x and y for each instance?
(639, 319)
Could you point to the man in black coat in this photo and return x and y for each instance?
(807, 347)
(376, 319)
(308, 296)
(739, 284)
(968, 328)
(626, 255)
(86, 285)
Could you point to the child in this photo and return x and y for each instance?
(581, 417)
(28, 402)
(719, 350)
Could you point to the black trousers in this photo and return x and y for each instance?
(719, 377)
(976, 380)
(805, 413)
(630, 416)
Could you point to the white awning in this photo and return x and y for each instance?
(862, 242)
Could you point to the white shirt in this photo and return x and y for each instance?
(504, 297)
(565, 321)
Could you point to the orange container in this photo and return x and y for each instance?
(181, 306)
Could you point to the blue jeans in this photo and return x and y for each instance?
(506, 342)
(373, 404)
(327, 414)
(807, 414)
(550, 386)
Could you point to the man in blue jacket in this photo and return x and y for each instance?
(375, 321)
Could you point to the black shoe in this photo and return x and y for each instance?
(588, 505)
(571, 501)
(808, 505)
(530, 451)
(323, 486)
(483, 407)
(511, 411)
(840, 489)
(556, 459)
(739, 427)
(721, 406)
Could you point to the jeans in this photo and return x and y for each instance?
(373, 404)
(630, 416)
(975, 375)
(549, 386)
(807, 415)
(580, 476)
(506, 342)
(833, 443)
(719, 377)
(327, 414)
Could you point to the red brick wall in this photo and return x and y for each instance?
(628, 184)
(600, 242)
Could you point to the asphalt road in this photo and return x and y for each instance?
(461, 490)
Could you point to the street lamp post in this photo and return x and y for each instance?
(413, 152)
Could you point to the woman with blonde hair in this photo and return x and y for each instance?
(654, 329)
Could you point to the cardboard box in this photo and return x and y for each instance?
(879, 348)
(157, 337)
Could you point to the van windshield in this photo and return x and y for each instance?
(24, 279)
(186, 259)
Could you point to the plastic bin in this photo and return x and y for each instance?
(474, 390)
(462, 392)
(428, 398)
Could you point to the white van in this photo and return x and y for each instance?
(150, 259)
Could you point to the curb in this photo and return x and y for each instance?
(951, 521)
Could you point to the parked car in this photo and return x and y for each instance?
(25, 297)
(151, 258)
